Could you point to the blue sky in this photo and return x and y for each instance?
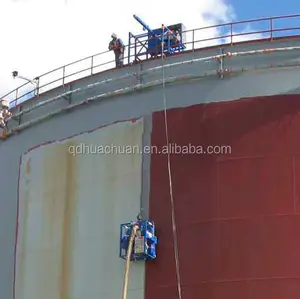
(246, 10)
(264, 8)
(40, 35)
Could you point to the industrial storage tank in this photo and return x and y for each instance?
(84, 157)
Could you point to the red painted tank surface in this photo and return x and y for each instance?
(238, 214)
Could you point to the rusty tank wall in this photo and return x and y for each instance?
(212, 194)
(237, 212)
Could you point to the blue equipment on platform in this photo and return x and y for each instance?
(144, 246)
(150, 43)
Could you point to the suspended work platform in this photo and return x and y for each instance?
(151, 44)
(144, 245)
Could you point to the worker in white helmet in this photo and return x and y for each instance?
(5, 114)
(118, 47)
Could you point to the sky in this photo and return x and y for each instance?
(41, 35)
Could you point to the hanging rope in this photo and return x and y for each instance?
(169, 171)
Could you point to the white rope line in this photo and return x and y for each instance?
(169, 172)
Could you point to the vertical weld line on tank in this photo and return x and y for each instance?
(176, 255)
(145, 198)
(294, 184)
(17, 229)
(71, 177)
(141, 211)
(146, 160)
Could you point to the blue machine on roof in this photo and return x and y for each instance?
(150, 44)
(144, 246)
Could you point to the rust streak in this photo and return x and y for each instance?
(28, 166)
(24, 219)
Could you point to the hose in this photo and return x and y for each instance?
(129, 251)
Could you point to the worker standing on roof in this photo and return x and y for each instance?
(5, 114)
(118, 47)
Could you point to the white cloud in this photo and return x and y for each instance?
(245, 34)
(40, 35)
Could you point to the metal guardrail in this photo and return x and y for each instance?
(229, 33)
(144, 86)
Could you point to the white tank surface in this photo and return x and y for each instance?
(71, 205)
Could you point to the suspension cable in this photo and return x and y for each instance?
(169, 170)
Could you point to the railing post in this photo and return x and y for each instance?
(135, 51)
(129, 46)
(92, 64)
(231, 41)
(37, 80)
(271, 29)
(64, 73)
(19, 118)
(17, 91)
(221, 64)
(193, 40)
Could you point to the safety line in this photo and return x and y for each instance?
(169, 171)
